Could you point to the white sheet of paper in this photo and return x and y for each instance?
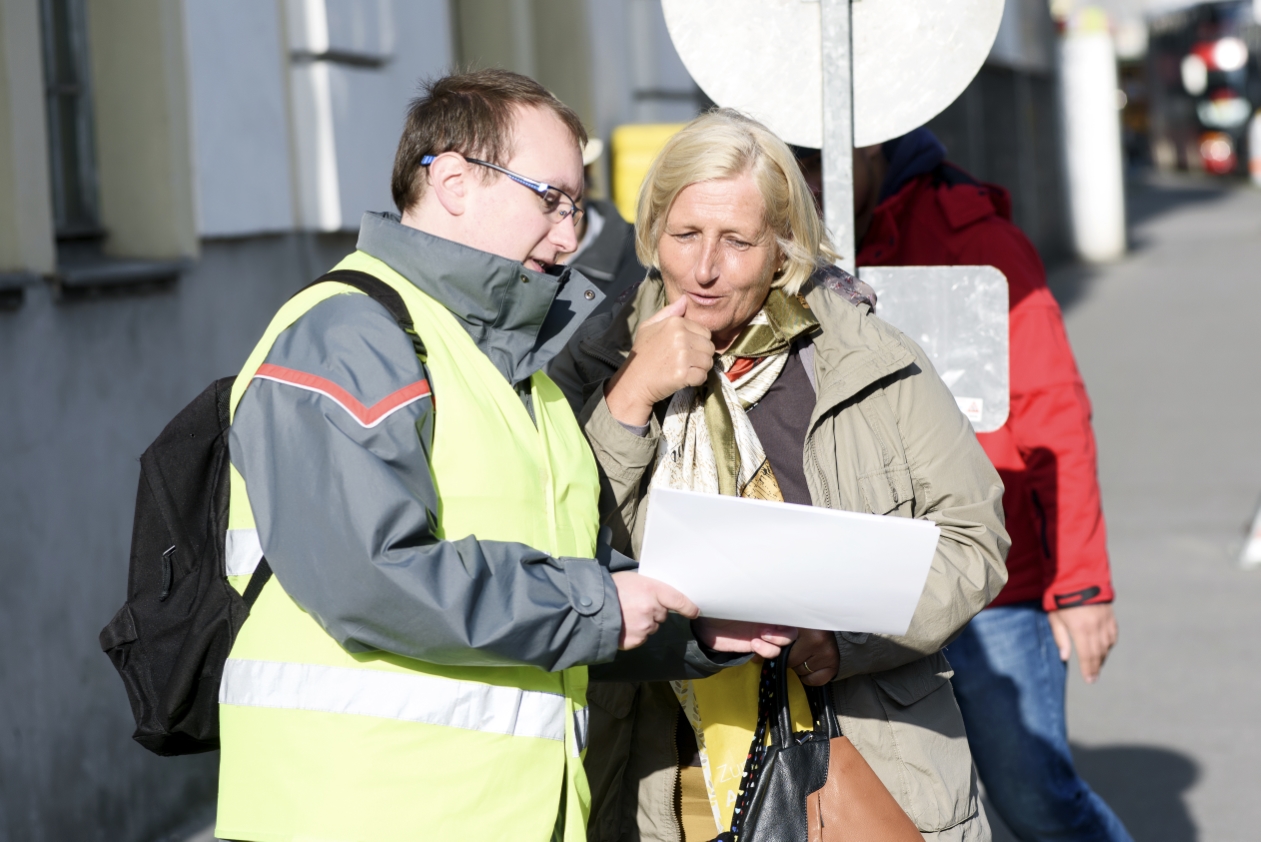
(793, 565)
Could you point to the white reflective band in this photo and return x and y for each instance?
(242, 552)
(410, 697)
(582, 723)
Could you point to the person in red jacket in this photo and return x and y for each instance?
(914, 208)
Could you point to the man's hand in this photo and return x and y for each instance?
(670, 352)
(815, 657)
(645, 603)
(1092, 628)
(739, 637)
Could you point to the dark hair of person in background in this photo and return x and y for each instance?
(469, 113)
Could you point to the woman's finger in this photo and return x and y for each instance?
(764, 649)
(678, 308)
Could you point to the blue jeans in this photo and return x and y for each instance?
(1010, 681)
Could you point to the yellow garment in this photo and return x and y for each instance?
(722, 710)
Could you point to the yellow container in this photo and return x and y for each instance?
(634, 148)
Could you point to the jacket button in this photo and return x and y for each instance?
(524, 279)
(585, 602)
(589, 295)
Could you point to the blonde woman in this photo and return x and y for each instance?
(733, 372)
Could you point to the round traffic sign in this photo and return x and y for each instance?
(912, 58)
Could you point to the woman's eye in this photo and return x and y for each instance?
(739, 244)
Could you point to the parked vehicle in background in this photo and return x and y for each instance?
(1204, 70)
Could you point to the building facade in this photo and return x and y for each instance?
(170, 172)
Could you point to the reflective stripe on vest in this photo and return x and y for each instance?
(411, 697)
(242, 551)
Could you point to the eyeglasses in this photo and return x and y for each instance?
(550, 195)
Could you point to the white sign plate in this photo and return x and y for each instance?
(958, 315)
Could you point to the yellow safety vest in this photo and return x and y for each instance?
(324, 745)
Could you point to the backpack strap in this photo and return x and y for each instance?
(388, 297)
(382, 293)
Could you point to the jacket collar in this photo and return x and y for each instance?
(853, 349)
(518, 317)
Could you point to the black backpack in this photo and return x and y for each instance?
(170, 639)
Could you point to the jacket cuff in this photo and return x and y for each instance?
(593, 596)
(702, 660)
(615, 561)
(634, 452)
(671, 654)
(1074, 598)
(854, 656)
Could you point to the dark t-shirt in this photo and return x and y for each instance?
(781, 420)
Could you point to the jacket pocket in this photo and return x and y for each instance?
(888, 491)
(908, 727)
(911, 682)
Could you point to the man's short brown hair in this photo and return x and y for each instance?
(470, 113)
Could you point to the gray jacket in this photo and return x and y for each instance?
(346, 514)
(886, 438)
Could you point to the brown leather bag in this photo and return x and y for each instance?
(853, 805)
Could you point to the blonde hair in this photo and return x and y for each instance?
(724, 144)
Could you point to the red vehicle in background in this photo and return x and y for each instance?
(1204, 76)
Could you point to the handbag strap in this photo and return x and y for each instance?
(757, 752)
(773, 712)
(823, 710)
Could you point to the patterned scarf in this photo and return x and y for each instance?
(709, 445)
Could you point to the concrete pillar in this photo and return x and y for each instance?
(26, 216)
(143, 128)
(1254, 144)
(1092, 142)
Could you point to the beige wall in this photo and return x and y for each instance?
(26, 226)
(544, 39)
(143, 138)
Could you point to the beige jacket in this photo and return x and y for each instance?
(886, 437)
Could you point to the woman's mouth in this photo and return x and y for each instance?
(703, 300)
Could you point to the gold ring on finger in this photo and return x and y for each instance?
(806, 664)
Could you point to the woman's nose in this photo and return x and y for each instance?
(706, 269)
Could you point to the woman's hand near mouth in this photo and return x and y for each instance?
(670, 353)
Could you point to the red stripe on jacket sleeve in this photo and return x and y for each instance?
(367, 416)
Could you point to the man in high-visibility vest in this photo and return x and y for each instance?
(415, 669)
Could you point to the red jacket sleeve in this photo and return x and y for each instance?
(1049, 422)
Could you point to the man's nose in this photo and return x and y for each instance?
(564, 235)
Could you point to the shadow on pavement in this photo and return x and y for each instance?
(1144, 785)
(1147, 196)
(1153, 194)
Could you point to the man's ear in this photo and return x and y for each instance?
(449, 183)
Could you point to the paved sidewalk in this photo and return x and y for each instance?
(1169, 343)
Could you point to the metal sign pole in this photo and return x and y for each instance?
(838, 129)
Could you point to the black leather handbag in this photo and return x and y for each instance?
(809, 786)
